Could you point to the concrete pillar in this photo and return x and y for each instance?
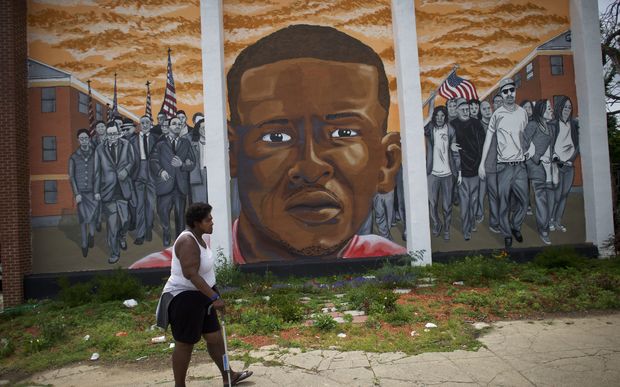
(411, 128)
(593, 123)
(214, 95)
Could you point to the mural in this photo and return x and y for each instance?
(314, 153)
(115, 101)
(500, 161)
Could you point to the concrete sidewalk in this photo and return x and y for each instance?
(558, 352)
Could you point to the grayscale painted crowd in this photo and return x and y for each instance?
(477, 152)
(123, 176)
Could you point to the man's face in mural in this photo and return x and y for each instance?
(498, 102)
(474, 108)
(145, 124)
(509, 95)
(485, 109)
(175, 127)
(310, 153)
(100, 129)
(182, 118)
(566, 110)
(463, 112)
(84, 140)
(451, 105)
(112, 134)
(161, 117)
(127, 130)
(165, 127)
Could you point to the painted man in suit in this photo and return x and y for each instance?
(198, 175)
(114, 161)
(144, 182)
(171, 161)
(81, 176)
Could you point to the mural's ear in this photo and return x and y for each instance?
(390, 144)
(232, 149)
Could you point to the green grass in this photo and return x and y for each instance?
(49, 334)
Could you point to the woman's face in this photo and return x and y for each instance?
(440, 118)
(528, 109)
(566, 110)
(548, 114)
(473, 110)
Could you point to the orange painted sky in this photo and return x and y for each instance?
(95, 38)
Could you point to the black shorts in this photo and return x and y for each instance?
(188, 316)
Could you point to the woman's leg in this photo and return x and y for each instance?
(181, 356)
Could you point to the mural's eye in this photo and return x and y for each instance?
(276, 137)
(338, 133)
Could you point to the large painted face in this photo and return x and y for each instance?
(485, 109)
(145, 124)
(548, 114)
(498, 102)
(112, 134)
(474, 108)
(310, 152)
(566, 110)
(463, 112)
(175, 126)
(451, 105)
(509, 95)
(100, 129)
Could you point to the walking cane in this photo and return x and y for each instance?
(225, 356)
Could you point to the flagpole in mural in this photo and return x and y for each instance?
(115, 101)
(169, 104)
(147, 110)
(91, 112)
(108, 112)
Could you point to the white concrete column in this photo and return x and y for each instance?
(411, 127)
(214, 95)
(586, 43)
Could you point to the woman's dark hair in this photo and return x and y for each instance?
(538, 112)
(525, 102)
(440, 108)
(82, 130)
(197, 212)
(98, 122)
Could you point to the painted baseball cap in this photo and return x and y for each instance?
(505, 82)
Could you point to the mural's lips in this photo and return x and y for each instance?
(313, 207)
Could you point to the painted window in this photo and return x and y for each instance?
(50, 191)
(48, 99)
(99, 112)
(529, 70)
(557, 65)
(49, 148)
(82, 103)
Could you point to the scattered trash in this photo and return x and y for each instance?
(430, 325)
(154, 327)
(339, 295)
(171, 346)
(414, 334)
(142, 358)
(369, 277)
(121, 334)
(401, 291)
(306, 299)
(94, 356)
(327, 310)
(266, 298)
(481, 325)
(342, 335)
(240, 300)
(87, 337)
(426, 330)
(425, 285)
(158, 339)
(460, 283)
(131, 303)
(354, 312)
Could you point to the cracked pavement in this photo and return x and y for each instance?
(563, 351)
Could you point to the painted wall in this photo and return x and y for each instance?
(93, 40)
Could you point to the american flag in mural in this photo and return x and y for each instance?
(455, 86)
(147, 109)
(91, 111)
(169, 105)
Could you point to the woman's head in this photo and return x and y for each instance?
(542, 111)
(199, 214)
(564, 109)
(527, 105)
(440, 116)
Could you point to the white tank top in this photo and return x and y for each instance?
(177, 283)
